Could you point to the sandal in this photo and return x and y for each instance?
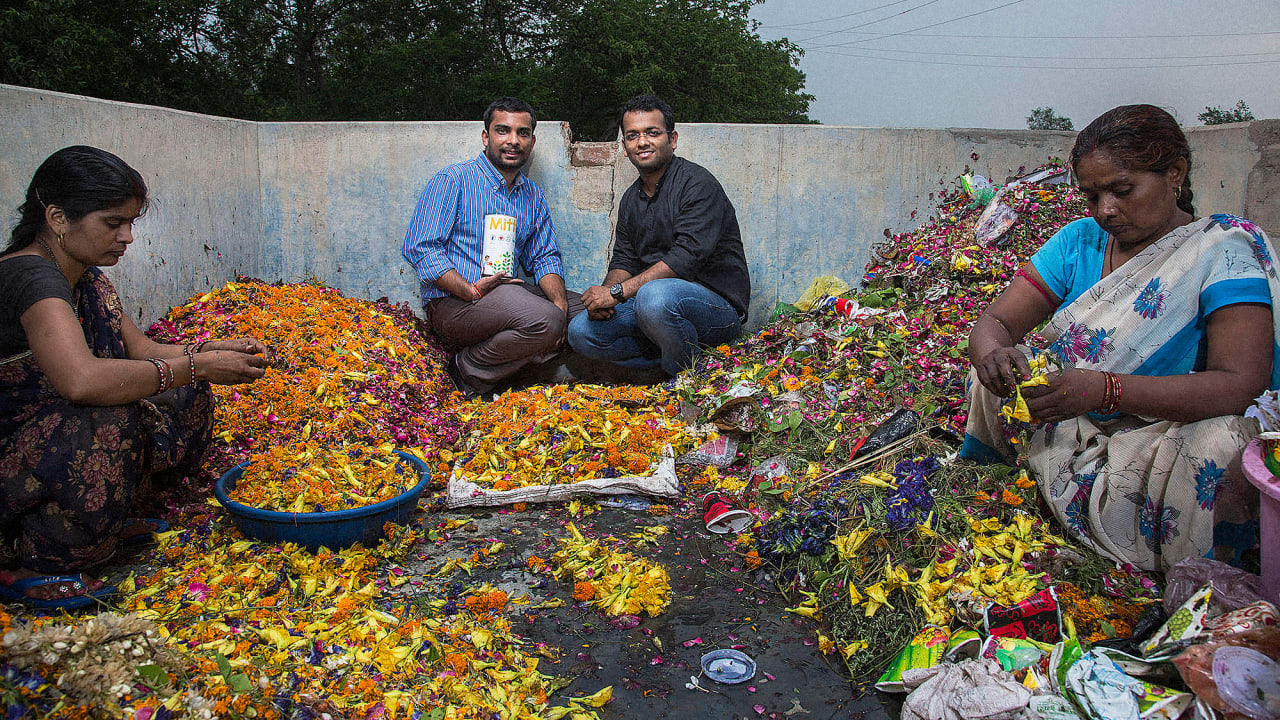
(146, 537)
(17, 592)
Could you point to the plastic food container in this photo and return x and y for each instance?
(1255, 469)
(334, 530)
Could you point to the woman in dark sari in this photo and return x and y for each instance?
(91, 410)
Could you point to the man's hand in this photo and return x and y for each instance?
(597, 298)
(489, 282)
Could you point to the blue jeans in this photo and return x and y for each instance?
(665, 325)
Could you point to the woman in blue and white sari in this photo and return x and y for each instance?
(1162, 325)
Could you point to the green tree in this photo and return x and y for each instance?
(702, 56)
(1218, 116)
(140, 51)
(575, 60)
(1044, 118)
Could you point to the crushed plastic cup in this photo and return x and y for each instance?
(728, 666)
(1248, 681)
(722, 518)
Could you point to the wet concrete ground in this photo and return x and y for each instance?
(715, 604)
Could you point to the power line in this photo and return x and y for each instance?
(1199, 36)
(871, 22)
(838, 17)
(923, 27)
(1042, 67)
(1107, 58)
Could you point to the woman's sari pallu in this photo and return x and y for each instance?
(69, 473)
(1144, 491)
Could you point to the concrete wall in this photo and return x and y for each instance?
(203, 226)
(331, 201)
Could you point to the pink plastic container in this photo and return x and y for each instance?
(1269, 488)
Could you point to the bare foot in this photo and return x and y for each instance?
(137, 527)
(53, 591)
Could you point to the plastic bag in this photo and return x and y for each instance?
(1233, 588)
(821, 287)
(994, 221)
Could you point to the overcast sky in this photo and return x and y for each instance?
(988, 63)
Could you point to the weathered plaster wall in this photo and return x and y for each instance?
(332, 200)
(203, 226)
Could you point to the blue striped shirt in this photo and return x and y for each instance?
(447, 229)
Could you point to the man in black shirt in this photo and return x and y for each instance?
(678, 278)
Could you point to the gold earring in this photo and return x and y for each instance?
(62, 241)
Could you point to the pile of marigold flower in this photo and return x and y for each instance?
(560, 434)
(614, 582)
(310, 478)
(341, 371)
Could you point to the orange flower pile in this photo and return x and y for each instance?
(340, 371)
(550, 435)
(1098, 617)
(318, 479)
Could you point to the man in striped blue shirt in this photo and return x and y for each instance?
(470, 298)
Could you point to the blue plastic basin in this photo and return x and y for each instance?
(334, 530)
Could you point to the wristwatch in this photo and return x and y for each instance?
(616, 291)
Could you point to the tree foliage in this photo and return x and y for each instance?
(576, 60)
(1044, 118)
(1217, 116)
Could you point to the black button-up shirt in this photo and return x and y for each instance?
(690, 224)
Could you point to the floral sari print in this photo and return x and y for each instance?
(69, 473)
(1151, 492)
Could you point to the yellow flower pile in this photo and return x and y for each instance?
(560, 434)
(247, 618)
(620, 583)
(310, 478)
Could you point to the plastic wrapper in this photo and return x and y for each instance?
(1195, 665)
(964, 644)
(1259, 615)
(720, 452)
(1184, 624)
(1233, 588)
(1038, 617)
(900, 424)
(1106, 692)
(995, 221)
(821, 287)
(1012, 653)
(964, 690)
(924, 651)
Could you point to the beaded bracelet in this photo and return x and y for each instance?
(165, 374)
(200, 345)
(190, 352)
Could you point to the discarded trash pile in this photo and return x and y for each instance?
(902, 552)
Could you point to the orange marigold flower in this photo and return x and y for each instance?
(457, 663)
(752, 560)
(584, 591)
(1010, 498)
